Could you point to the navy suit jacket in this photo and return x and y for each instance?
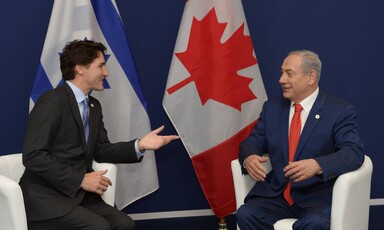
(56, 155)
(329, 136)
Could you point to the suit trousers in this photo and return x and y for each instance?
(91, 214)
(260, 213)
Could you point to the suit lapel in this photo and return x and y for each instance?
(313, 119)
(284, 121)
(76, 112)
(92, 120)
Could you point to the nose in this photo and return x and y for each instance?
(282, 78)
(105, 72)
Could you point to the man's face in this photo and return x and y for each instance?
(95, 73)
(295, 84)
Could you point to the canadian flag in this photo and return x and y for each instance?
(214, 93)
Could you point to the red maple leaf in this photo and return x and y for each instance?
(213, 65)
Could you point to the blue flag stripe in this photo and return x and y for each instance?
(113, 31)
(41, 85)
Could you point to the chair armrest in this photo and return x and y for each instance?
(11, 166)
(109, 195)
(242, 183)
(12, 210)
(351, 192)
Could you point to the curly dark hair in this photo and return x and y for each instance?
(79, 52)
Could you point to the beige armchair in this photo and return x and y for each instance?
(351, 195)
(12, 212)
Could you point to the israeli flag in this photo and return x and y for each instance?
(124, 106)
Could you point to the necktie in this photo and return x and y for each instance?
(85, 118)
(293, 139)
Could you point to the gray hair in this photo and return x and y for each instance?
(311, 61)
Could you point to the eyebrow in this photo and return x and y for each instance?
(287, 70)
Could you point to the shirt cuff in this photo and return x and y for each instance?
(138, 152)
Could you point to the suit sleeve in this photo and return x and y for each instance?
(120, 152)
(255, 142)
(348, 155)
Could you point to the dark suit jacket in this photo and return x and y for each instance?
(330, 136)
(57, 157)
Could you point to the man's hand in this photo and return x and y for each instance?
(302, 170)
(153, 141)
(256, 170)
(96, 182)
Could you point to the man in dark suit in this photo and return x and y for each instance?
(328, 146)
(60, 188)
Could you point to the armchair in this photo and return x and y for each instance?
(351, 195)
(12, 212)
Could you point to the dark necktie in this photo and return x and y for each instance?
(85, 118)
(293, 139)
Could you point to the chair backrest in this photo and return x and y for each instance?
(12, 211)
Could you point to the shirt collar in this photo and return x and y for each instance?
(308, 102)
(80, 96)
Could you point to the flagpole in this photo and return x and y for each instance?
(222, 224)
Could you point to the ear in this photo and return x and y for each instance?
(79, 69)
(312, 77)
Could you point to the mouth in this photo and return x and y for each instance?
(285, 88)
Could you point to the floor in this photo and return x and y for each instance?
(376, 222)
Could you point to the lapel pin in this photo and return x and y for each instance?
(317, 116)
(91, 105)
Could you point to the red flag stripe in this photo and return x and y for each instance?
(213, 169)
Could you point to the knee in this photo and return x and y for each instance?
(102, 225)
(243, 215)
(126, 224)
(240, 214)
(315, 222)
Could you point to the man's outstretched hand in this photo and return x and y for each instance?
(153, 141)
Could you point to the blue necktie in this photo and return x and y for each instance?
(85, 118)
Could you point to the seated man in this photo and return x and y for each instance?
(311, 138)
(65, 134)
